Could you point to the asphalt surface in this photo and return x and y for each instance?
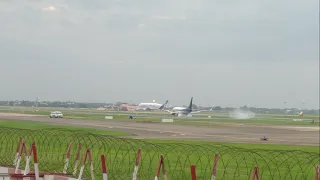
(277, 134)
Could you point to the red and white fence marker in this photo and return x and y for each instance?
(136, 167)
(317, 175)
(67, 159)
(161, 164)
(27, 168)
(214, 168)
(22, 149)
(104, 168)
(255, 173)
(17, 152)
(33, 151)
(193, 172)
(87, 153)
(35, 159)
(77, 160)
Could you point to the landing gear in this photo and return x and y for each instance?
(174, 114)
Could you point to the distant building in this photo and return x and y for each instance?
(127, 107)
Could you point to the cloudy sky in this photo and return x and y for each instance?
(227, 53)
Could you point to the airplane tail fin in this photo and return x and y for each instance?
(190, 105)
(163, 105)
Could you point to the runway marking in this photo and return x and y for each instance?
(299, 128)
(135, 128)
(174, 133)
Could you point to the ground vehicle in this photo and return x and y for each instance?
(56, 114)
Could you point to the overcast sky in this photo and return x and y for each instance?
(226, 53)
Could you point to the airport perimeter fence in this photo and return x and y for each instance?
(66, 151)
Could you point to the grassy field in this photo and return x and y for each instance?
(236, 162)
(248, 146)
(39, 126)
(199, 119)
(46, 111)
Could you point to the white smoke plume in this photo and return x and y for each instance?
(241, 114)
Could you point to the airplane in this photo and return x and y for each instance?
(151, 106)
(184, 111)
(301, 113)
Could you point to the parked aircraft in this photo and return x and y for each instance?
(151, 106)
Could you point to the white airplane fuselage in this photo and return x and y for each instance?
(181, 111)
(178, 108)
(151, 106)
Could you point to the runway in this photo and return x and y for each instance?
(277, 134)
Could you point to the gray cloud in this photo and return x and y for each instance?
(220, 52)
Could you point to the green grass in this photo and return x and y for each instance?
(315, 149)
(234, 162)
(37, 126)
(215, 122)
(155, 117)
(237, 159)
